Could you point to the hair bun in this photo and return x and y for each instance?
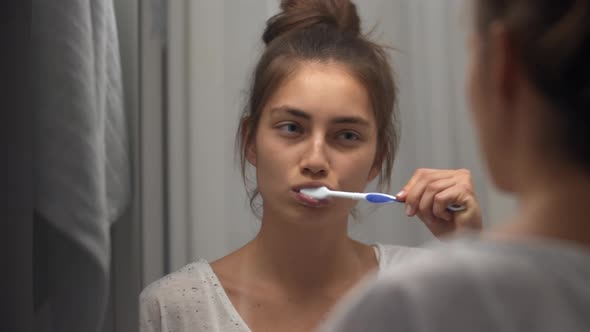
(301, 14)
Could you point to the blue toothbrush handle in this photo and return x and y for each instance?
(380, 198)
(383, 198)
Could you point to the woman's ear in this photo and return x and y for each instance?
(375, 169)
(248, 142)
(251, 153)
(505, 71)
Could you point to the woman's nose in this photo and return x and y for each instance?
(315, 160)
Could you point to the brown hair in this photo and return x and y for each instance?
(553, 41)
(322, 31)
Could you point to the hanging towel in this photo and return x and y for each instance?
(81, 151)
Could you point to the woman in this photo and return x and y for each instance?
(320, 113)
(529, 90)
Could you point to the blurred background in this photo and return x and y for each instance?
(133, 117)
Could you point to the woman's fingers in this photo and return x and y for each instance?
(428, 194)
(426, 210)
(418, 184)
(454, 194)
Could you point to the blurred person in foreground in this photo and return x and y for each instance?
(529, 93)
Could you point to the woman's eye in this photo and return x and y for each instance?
(290, 128)
(349, 136)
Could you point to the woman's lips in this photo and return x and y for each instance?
(308, 201)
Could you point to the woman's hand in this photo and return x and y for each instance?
(430, 191)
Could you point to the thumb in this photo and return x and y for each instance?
(402, 194)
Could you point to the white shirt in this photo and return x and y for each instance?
(476, 285)
(192, 298)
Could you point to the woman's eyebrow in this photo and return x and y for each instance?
(351, 120)
(305, 115)
(291, 110)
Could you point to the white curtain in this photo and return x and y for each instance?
(213, 46)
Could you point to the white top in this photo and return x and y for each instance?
(476, 285)
(192, 298)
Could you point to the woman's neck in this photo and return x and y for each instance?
(553, 204)
(305, 257)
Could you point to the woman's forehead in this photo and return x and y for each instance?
(321, 90)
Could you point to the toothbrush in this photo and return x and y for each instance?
(323, 193)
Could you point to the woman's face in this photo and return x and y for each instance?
(318, 129)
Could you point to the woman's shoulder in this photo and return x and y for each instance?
(191, 280)
(191, 298)
(391, 255)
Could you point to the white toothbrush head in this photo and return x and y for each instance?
(317, 193)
